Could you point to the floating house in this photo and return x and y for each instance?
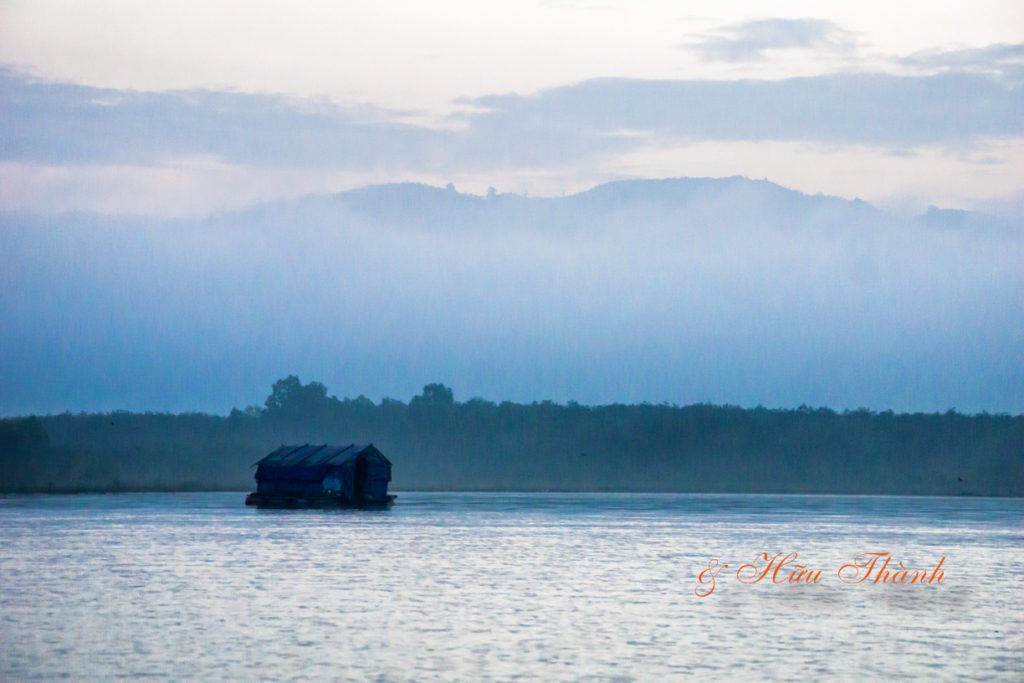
(323, 476)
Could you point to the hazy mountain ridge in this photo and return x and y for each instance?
(420, 204)
(688, 290)
(414, 203)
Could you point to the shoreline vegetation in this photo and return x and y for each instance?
(438, 444)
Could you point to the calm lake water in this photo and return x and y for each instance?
(503, 586)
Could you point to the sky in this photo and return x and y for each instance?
(185, 218)
(190, 108)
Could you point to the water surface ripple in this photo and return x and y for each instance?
(502, 587)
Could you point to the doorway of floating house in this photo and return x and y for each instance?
(360, 476)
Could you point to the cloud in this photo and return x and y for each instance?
(48, 122)
(752, 40)
(81, 142)
(54, 123)
(1004, 60)
(869, 109)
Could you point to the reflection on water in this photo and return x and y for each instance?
(502, 586)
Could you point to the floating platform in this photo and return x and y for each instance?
(278, 502)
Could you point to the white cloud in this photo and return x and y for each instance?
(1003, 60)
(757, 39)
(186, 120)
(405, 54)
(951, 138)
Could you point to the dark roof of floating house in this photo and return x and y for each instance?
(322, 456)
(313, 470)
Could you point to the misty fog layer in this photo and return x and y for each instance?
(692, 290)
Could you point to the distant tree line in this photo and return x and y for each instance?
(437, 443)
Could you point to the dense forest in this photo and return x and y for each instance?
(437, 443)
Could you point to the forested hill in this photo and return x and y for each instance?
(438, 443)
(727, 290)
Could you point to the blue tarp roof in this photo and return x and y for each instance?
(309, 455)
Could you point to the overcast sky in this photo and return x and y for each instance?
(169, 241)
(192, 107)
